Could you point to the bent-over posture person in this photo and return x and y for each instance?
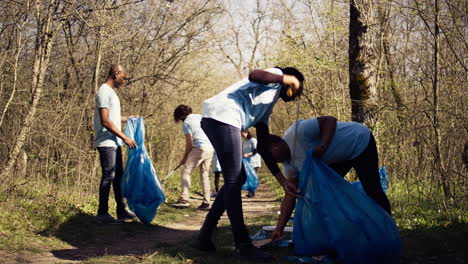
(244, 104)
(198, 152)
(342, 145)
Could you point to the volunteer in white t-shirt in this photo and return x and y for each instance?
(342, 145)
(198, 152)
(108, 139)
(244, 104)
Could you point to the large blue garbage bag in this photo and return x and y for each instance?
(140, 184)
(251, 183)
(333, 217)
(383, 181)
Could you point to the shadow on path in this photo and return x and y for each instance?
(90, 239)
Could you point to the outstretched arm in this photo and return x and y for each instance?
(188, 148)
(262, 148)
(265, 77)
(287, 207)
(110, 126)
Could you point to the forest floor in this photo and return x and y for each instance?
(80, 239)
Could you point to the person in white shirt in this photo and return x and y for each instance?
(249, 151)
(108, 139)
(244, 104)
(341, 145)
(198, 152)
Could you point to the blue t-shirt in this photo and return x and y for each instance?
(349, 141)
(191, 125)
(245, 103)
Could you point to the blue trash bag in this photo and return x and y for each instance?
(334, 218)
(383, 181)
(251, 183)
(140, 184)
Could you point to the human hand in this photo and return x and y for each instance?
(277, 234)
(130, 142)
(319, 150)
(245, 155)
(291, 82)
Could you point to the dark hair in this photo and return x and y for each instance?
(296, 73)
(181, 112)
(274, 139)
(249, 136)
(114, 69)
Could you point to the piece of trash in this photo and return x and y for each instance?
(261, 243)
(272, 228)
(261, 234)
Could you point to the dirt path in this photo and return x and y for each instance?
(137, 239)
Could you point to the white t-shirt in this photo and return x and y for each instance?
(244, 103)
(248, 146)
(107, 98)
(349, 141)
(191, 125)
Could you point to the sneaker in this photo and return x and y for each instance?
(106, 218)
(126, 215)
(181, 203)
(250, 195)
(204, 207)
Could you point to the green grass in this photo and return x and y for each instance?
(42, 217)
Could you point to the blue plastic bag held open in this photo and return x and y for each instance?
(333, 217)
(140, 184)
(251, 183)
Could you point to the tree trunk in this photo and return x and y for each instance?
(435, 98)
(43, 47)
(361, 60)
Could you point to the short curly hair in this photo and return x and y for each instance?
(181, 112)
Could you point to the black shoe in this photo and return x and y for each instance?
(106, 218)
(126, 215)
(250, 195)
(250, 253)
(204, 207)
(204, 245)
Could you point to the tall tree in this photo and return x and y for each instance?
(361, 60)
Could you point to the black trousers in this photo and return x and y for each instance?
(226, 141)
(366, 166)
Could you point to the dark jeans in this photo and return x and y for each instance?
(366, 166)
(226, 141)
(112, 170)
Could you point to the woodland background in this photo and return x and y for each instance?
(399, 66)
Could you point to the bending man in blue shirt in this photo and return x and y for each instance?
(342, 145)
(244, 104)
